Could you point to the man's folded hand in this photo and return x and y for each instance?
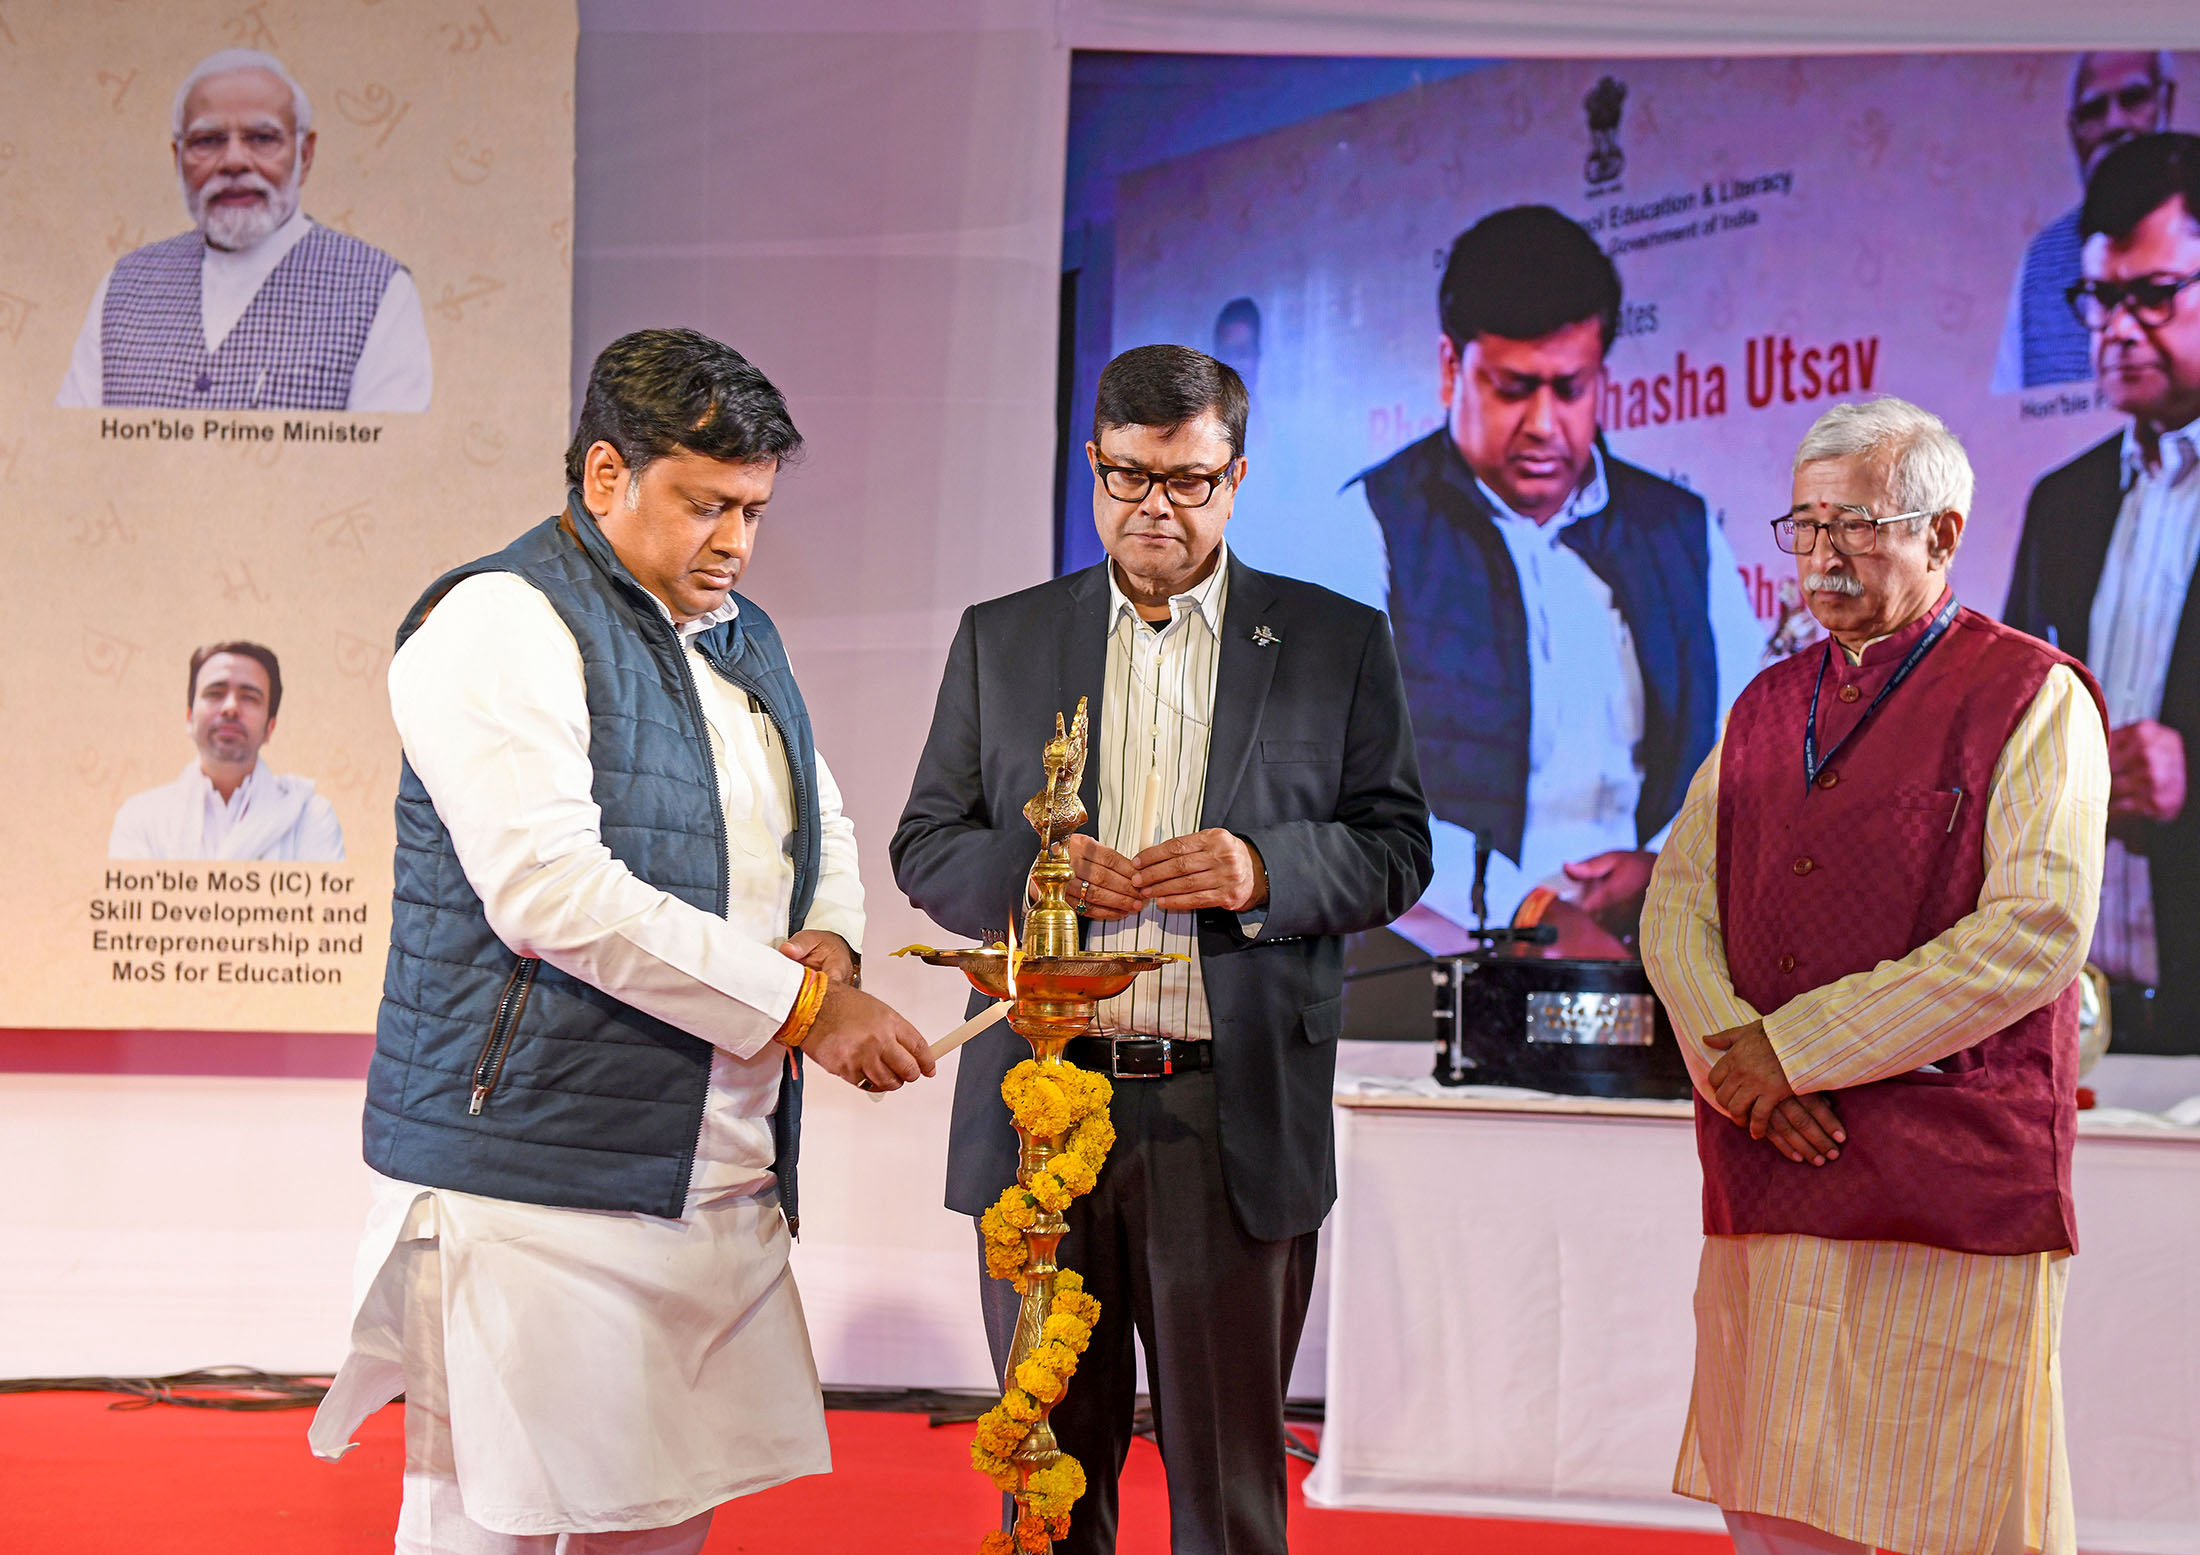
(1747, 1082)
(1807, 1128)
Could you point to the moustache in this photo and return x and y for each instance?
(1834, 583)
(233, 183)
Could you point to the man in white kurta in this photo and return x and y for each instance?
(267, 815)
(583, 1379)
(227, 803)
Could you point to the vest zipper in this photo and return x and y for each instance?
(489, 1067)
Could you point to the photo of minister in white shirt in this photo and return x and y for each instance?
(258, 307)
(226, 804)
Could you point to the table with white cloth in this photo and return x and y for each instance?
(1511, 1332)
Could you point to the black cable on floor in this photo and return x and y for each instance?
(241, 1388)
(248, 1389)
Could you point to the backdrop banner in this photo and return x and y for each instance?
(1789, 233)
(285, 313)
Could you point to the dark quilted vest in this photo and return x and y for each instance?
(1818, 883)
(595, 1105)
(294, 348)
(1463, 640)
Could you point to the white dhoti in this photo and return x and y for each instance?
(572, 1372)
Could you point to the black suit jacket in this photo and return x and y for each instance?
(1310, 759)
(2067, 525)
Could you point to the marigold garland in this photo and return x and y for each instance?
(1038, 1382)
(1055, 1489)
(1054, 1100)
(1033, 1533)
(1047, 1099)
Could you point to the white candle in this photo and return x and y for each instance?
(970, 1028)
(1149, 807)
(953, 1040)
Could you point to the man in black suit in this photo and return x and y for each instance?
(1287, 813)
(2104, 569)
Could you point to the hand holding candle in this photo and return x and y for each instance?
(1149, 809)
(953, 1040)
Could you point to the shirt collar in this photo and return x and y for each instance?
(1204, 598)
(2180, 451)
(205, 784)
(689, 630)
(1903, 638)
(1590, 497)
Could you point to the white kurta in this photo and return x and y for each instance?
(599, 1371)
(394, 372)
(270, 815)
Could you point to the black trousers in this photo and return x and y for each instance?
(1218, 1313)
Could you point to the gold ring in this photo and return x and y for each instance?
(1084, 891)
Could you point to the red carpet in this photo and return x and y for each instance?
(79, 1479)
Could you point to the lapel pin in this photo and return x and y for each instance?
(1264, 638)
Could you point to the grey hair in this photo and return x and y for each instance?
(1925, 468)
(223, 61)
(2165, 71)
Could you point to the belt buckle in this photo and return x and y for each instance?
(1118, 1059)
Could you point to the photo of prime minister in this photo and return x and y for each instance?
(257, 306)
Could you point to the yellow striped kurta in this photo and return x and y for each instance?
(1891, 1393)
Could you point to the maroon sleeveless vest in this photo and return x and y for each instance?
(1886, 852)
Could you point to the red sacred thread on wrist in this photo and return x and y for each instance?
(803, 1016)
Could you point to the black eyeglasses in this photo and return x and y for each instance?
(2151, 299)
(2093, 107)
(1854, 533)
(1126, 483)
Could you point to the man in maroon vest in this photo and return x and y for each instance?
(1867, 926)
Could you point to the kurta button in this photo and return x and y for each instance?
(1850, 693)
(1828, 779)
(1804, 866)
(1787, 963)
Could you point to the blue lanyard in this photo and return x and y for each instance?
(1812, 765)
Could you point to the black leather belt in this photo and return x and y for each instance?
(1140, 1058)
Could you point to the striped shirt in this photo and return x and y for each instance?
(1889, 1392)
(2136, 611)
(1156, 714)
